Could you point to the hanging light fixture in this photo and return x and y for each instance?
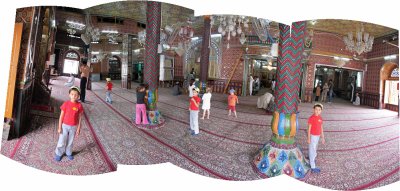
(91, 32)
(361, 43)
(75, 25)
(262, 27)
(231, 25)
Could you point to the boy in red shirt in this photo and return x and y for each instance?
(315, 131)
(69, 123)
(109, 86)
(232, 100)
(194, 112)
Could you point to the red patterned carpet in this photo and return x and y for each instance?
(361, 150)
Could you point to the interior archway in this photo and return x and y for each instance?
(385, 84)
(71, 62)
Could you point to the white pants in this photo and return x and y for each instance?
(312, 149)
(194, 121)
(65, 140)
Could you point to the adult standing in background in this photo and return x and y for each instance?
(325, 90)
(85, 70)
(330, 93)
(251, 82)
(273, 82)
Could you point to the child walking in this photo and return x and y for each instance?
(140, 105)
(109, 86)
(232, 101)
(206, 103)
(194, 112)
(69, 124)
(315, 131)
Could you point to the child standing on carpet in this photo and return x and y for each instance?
(232, 101)
(109, 86)
(140, 105)
(315, 131)
(194, 112)
(69, 123)
(206, 103)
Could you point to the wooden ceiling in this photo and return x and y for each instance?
(343, 27)
(136, 10)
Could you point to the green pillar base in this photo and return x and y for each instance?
(276, 159)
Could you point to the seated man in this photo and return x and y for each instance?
(176, 90)
(357, 101)
(264, 100)
(70, 81)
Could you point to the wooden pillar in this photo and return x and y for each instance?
(152, 59)
(205, 52)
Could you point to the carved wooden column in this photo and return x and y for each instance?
(205, 53)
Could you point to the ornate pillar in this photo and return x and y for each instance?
(126, 61)
(281, 154)
(151, 67)
(245, 75)
(205, 53)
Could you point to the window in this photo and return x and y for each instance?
(359, 80)
(70, 66)
(391, 92)
(395, 73)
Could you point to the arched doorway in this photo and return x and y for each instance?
(193, 54)
(114, 67)
(71, 62)
(389, 86)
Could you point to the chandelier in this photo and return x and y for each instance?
(75, 25)
(361, 43)
(71, 31)
(262, 27)
(231, 25)
(183, 32)
(93, 33)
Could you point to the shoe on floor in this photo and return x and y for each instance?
(315, 170)
(70, 157)
(57, 158)
(193, 134)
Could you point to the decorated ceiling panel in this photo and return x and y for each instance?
(136, 10)
(343, 27)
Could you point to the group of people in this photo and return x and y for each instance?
(72, 110)
(205, 100)
(327, 92)
(255, 85)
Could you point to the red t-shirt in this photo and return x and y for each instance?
(109, 85)
(316, 123)
(192, 106)
(71, 112)
(232, 99)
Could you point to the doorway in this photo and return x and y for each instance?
(71, 63)
(346, 81)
